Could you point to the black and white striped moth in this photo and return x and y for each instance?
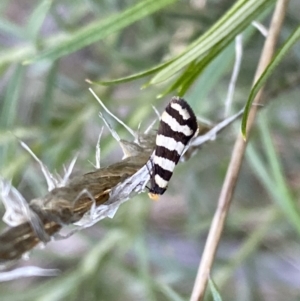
(178, 124)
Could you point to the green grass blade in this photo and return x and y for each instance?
(21, 132)
(99, 30)
(179, 81)
(232, 23)
(61, 287)
(281, 53)
(9, 28)
(9, 111)
(186, 79)
(219, 57)
(17, 55)
(168, 292)
(260, 170)
(131, 77)
(285, 199)
(263, 174)
(215, 294)
(47, 100)
(10, 102)
(37, 19)
(250, 245)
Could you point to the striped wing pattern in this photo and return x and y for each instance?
(177, 126)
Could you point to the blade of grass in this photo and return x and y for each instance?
(219, 58)
(279, 56)
(37, 18)
(201, 48)
(186, 79)
(99, 30)
(215, 293)
(22, 133)
(232, 23)
(49, 91)
(131, 77)
(285, 201)
(249, 247)
(10, 102)
(284, 196)
(9, 110)
(167, 291)
(62, 287)
(144, 269)
(9, 28)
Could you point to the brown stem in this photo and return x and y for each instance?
(236, 161)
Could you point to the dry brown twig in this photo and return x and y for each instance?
(83, 200)
(227, 191)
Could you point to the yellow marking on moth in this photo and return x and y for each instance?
(153, 196)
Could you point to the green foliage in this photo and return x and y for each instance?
(278, 57)
(98, 30)
(215, 294)
(203, 50)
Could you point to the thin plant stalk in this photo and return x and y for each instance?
(234, 167)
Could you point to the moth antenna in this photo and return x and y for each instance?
(112, 115)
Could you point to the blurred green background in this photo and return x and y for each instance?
(150, 250)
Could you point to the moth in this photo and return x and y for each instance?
(178, 124)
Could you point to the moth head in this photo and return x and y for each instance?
(153, 196)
